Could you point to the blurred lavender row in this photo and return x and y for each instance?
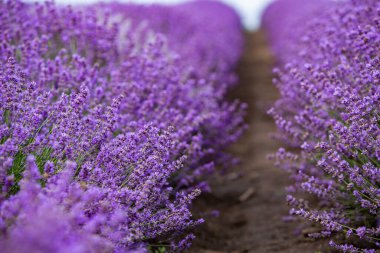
(328, 115)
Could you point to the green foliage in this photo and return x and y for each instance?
(16, 170)
(157, 249)
(18, 167)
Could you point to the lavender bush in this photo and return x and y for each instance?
(328, 115)
(110, 123)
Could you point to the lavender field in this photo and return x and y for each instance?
(156, 128)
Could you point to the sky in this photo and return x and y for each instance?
(250, 10)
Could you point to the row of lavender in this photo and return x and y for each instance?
(112, 116)
(328, 114)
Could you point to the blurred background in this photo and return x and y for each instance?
(249, 10)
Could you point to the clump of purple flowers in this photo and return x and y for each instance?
(110, 123)
(329, 115)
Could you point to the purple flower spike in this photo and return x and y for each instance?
(111, 121)
(329, 113)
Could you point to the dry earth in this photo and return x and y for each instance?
(252, 206)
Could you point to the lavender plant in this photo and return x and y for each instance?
(108, 132)
(328, 116)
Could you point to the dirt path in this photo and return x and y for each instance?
(255, 224)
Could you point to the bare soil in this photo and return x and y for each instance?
(252, 207)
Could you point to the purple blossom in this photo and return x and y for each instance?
(328, 112)
(108, 132)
